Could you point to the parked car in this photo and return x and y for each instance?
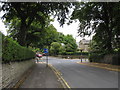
(39, 55)
(44, 54)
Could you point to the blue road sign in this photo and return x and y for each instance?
(45, 50)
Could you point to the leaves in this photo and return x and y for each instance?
(99, 18)
(12, 51)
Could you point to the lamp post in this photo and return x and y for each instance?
(81, 54)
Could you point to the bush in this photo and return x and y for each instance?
(69, 53)
(12, 51)
(79, 53)
(76, 53)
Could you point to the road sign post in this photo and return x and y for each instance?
(46, 52)
(47, 59)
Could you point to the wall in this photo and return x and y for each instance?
(108, 59)
(12, 72)
(112, 59)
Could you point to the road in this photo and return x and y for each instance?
(82, 76)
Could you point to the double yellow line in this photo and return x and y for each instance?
(62, 80)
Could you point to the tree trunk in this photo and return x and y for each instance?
(22, 34)
(108, 27)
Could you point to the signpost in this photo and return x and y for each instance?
(46, 53)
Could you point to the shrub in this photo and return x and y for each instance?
(69, 53)
(12, 51)
(77, 53)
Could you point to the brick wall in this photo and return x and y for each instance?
(12, 72)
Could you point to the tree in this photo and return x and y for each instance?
(102, 18)
(26, 13)
(47, 36)
(70, 43)
(62, 50)
(61, 37)
(55, 47)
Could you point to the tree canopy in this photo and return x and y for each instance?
(24, 16)
(101, 18)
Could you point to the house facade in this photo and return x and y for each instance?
(84, 45)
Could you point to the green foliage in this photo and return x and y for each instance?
(36, 49)
(44, 38)
(69, 43)
(69, 53)
(77, 53)
(61, 37)
(24, 18)
(12, 51)
(101, 18)
(55, 48)
(50, 35)
(66, 44)
(62, 50)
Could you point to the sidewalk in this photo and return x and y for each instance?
(102, 65)
(41, 77)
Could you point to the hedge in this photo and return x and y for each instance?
(12, 51)
(76, 53)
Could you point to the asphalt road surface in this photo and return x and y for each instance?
(82, 76)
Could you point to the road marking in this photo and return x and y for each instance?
(117, 70)
(58, 74)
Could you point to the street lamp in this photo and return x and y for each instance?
(81, 54)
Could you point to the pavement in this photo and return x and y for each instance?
(41, 77)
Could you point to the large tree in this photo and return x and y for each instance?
(47, 36)
(70, 43)
(102, 18)
(26, 13)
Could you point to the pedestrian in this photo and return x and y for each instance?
(37, 57)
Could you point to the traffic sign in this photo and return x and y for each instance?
(45, 50)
